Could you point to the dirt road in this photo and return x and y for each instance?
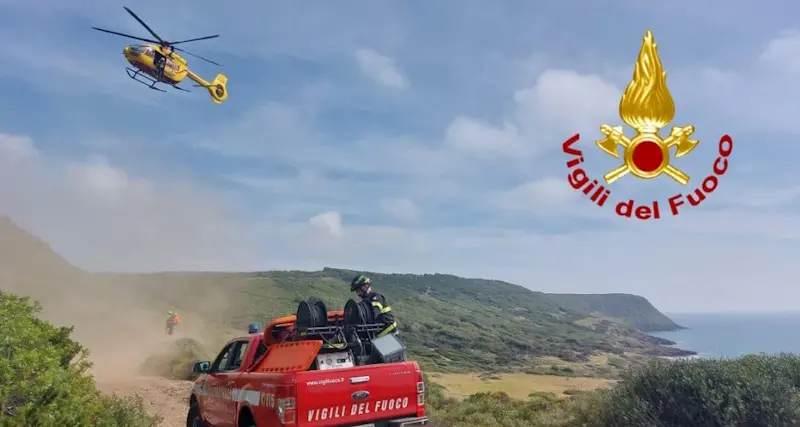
(164, 397)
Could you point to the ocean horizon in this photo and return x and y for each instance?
(735, 334)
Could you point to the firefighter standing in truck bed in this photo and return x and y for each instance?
(362, 286)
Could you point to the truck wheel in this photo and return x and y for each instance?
(193, 419)
(246, 419)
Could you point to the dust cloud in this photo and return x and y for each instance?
(120, 323)
(101, 216)
(121, 332)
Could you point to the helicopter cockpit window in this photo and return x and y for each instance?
(149, 52)
(171, 65)
(137, 50)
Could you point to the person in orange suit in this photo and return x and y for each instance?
(172, 321)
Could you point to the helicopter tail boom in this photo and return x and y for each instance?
(217, 88)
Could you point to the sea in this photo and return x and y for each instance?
(736, 334)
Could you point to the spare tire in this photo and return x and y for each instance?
(311, 315)
(358, 313)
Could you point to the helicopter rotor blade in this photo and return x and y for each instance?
(197, 56)
(194, 40)
(160, 40)
(124, 35)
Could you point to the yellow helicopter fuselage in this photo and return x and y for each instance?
(156, 62)
(142, 57)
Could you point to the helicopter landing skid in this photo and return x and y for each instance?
(148, 81)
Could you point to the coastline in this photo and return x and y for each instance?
(686, 358)
(666, 348)
(673, 328)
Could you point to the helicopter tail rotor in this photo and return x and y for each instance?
(218, 88)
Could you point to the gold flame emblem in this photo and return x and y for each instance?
(647, 107)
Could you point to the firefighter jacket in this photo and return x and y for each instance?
(383, 313)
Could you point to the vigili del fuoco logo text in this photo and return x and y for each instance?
(647, 107)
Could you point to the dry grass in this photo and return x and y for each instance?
(589, 322)
(598, 360)
(517, 385)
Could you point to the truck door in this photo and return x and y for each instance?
(212, 399)
(230, 405)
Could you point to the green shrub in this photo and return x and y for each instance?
(176, 361)
(44, 380)
(752, 391)
(499, 410)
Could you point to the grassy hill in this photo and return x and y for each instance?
(632, 310)
(26, 258)
(449, 323)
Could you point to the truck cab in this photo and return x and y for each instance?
(291, 375)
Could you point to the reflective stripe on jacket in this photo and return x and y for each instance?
(383, 313)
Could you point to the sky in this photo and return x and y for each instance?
(406, 137)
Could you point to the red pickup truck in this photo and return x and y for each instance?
(275, 379)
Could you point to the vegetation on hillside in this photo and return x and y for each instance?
(44, 380)
(44, 383)
(752, 391)
(632, 310)
(449, 323)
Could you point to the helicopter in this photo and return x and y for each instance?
(158, 63)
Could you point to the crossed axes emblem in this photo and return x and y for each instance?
(678, 137)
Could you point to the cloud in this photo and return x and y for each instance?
(75, 72)
(118, 220)
(782, 54)
(382, 69)
(559, 103)
(309, 164)
(548, 195)
(770, 198)
(478, 137)
(17, 148)
(264, 130)
(694, 255)
(105, 219)
(329, 222)
(106, 183)
(401, 209)
(566, 101)
(758, 95)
